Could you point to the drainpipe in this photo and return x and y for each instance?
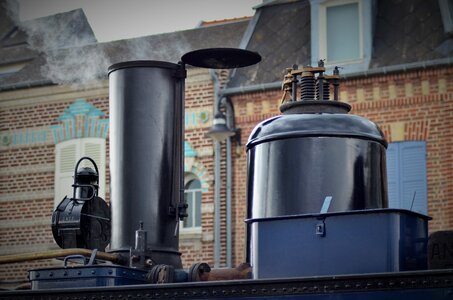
(217, 154)
(217, 179)
(228, 193)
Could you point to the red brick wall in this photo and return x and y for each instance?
(199, 97)
(250, 110)
(426, 114)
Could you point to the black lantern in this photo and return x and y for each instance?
(82, 221)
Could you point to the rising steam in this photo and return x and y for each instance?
(71, 54)
(68, 45)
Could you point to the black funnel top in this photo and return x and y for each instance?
(221, 58)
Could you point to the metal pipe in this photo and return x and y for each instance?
(231, 125)
(228, 202)
(15, 258)
(217, 154)
(252, 88)
(243, 271)
(181, 206)
(146, 144)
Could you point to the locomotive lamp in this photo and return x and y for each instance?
(85, 186)
(82, 221)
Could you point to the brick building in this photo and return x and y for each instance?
(396, 59)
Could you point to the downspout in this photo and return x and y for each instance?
(217, 154)
(228, 193)
(217, 201)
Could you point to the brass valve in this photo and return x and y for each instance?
(287, 83)
(311, 81)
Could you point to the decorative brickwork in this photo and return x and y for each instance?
(80, 119)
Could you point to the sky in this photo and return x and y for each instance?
(120, 19)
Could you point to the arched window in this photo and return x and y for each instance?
(192, 196)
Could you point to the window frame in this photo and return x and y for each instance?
(323, 31)
(318, 10)
(188, 177)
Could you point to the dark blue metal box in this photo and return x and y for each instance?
(85, 276)
(353, 242)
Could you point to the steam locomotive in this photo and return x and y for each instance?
(321, 230)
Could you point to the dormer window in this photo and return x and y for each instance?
(340, 38)
(9, 69)
(341, 33)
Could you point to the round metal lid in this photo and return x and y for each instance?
(143, 63)
(221, 58)
(315, 125)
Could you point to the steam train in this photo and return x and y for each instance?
(321, 230)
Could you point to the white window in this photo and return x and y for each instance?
(192, 196)
(68, 154)
(406, 176)
(341, 33)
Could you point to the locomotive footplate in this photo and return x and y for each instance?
(431, 284)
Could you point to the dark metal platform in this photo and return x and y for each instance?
(433, 284)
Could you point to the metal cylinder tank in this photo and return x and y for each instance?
(146, 158)
(323, 161)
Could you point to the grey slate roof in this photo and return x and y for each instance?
(64, 30)
(29, 43)
(405, 32)
(409, 31)
(282, 37)
(8, 16)
(90, 62)
(13, 47)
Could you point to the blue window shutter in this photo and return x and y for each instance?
(393, 175)
(406, 176)
(413, 176)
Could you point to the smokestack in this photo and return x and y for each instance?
(146, 158)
